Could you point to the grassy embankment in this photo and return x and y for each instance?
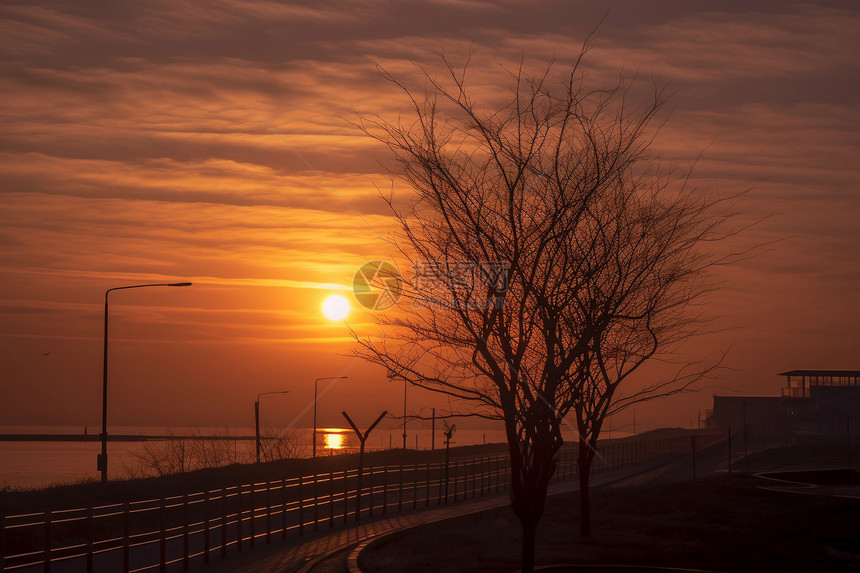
(83, 494)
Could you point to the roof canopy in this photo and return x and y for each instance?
(821, 373)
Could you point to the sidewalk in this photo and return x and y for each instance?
(328, 551)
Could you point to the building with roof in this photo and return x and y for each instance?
(812, 403)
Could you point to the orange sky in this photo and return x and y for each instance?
(168, 141)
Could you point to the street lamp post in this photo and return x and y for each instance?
(257, 417)
(314, 438)
(101, 461)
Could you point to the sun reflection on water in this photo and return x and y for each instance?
(334, 439)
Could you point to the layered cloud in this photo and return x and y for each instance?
(215, 142)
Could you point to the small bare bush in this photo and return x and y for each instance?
(184, 454)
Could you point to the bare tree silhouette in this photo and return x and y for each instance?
(549, 257)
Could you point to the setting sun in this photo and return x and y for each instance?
(335, 307)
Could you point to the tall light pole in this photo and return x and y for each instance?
(257, 417)
(101, 461)
(314, 439)
(391, 376)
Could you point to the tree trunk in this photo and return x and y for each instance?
(527, 564)
(528, 500)
(447, 459)
(584, 466)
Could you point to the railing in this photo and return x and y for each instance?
(169, 533)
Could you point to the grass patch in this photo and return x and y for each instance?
(722, 523)
(810, 453)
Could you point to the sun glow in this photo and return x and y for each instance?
(334, 441)
(335, 307)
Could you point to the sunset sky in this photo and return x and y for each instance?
(211, 142)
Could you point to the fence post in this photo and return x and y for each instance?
(162, 542)
(90, 534)
(239, 518)
(316, 504)
(385, 489)
(206, 525)
(185, 532)
(466, 480)
(2, 542)
(223, 522)
(331, 499)
(370, 489)
(474, 476)
(482, 477)
(439, 498)
(284, 508)
(358, 489)
(268, 512)
(456, 476)
(47, 533)
(126, 537)
(565, 457)
(253, 509)
(415, 487)
(693, 450)
(345, 497)
(730, 449)
(301, 507)
(400, 494)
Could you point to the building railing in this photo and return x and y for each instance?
(795, 392)
(170, 533)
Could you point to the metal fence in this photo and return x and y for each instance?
(170, 533)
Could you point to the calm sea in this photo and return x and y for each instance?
(36, 464)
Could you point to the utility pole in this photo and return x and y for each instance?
(433, 432)
(361, 438)
(746, 451)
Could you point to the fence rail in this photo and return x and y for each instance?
(170, 533)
